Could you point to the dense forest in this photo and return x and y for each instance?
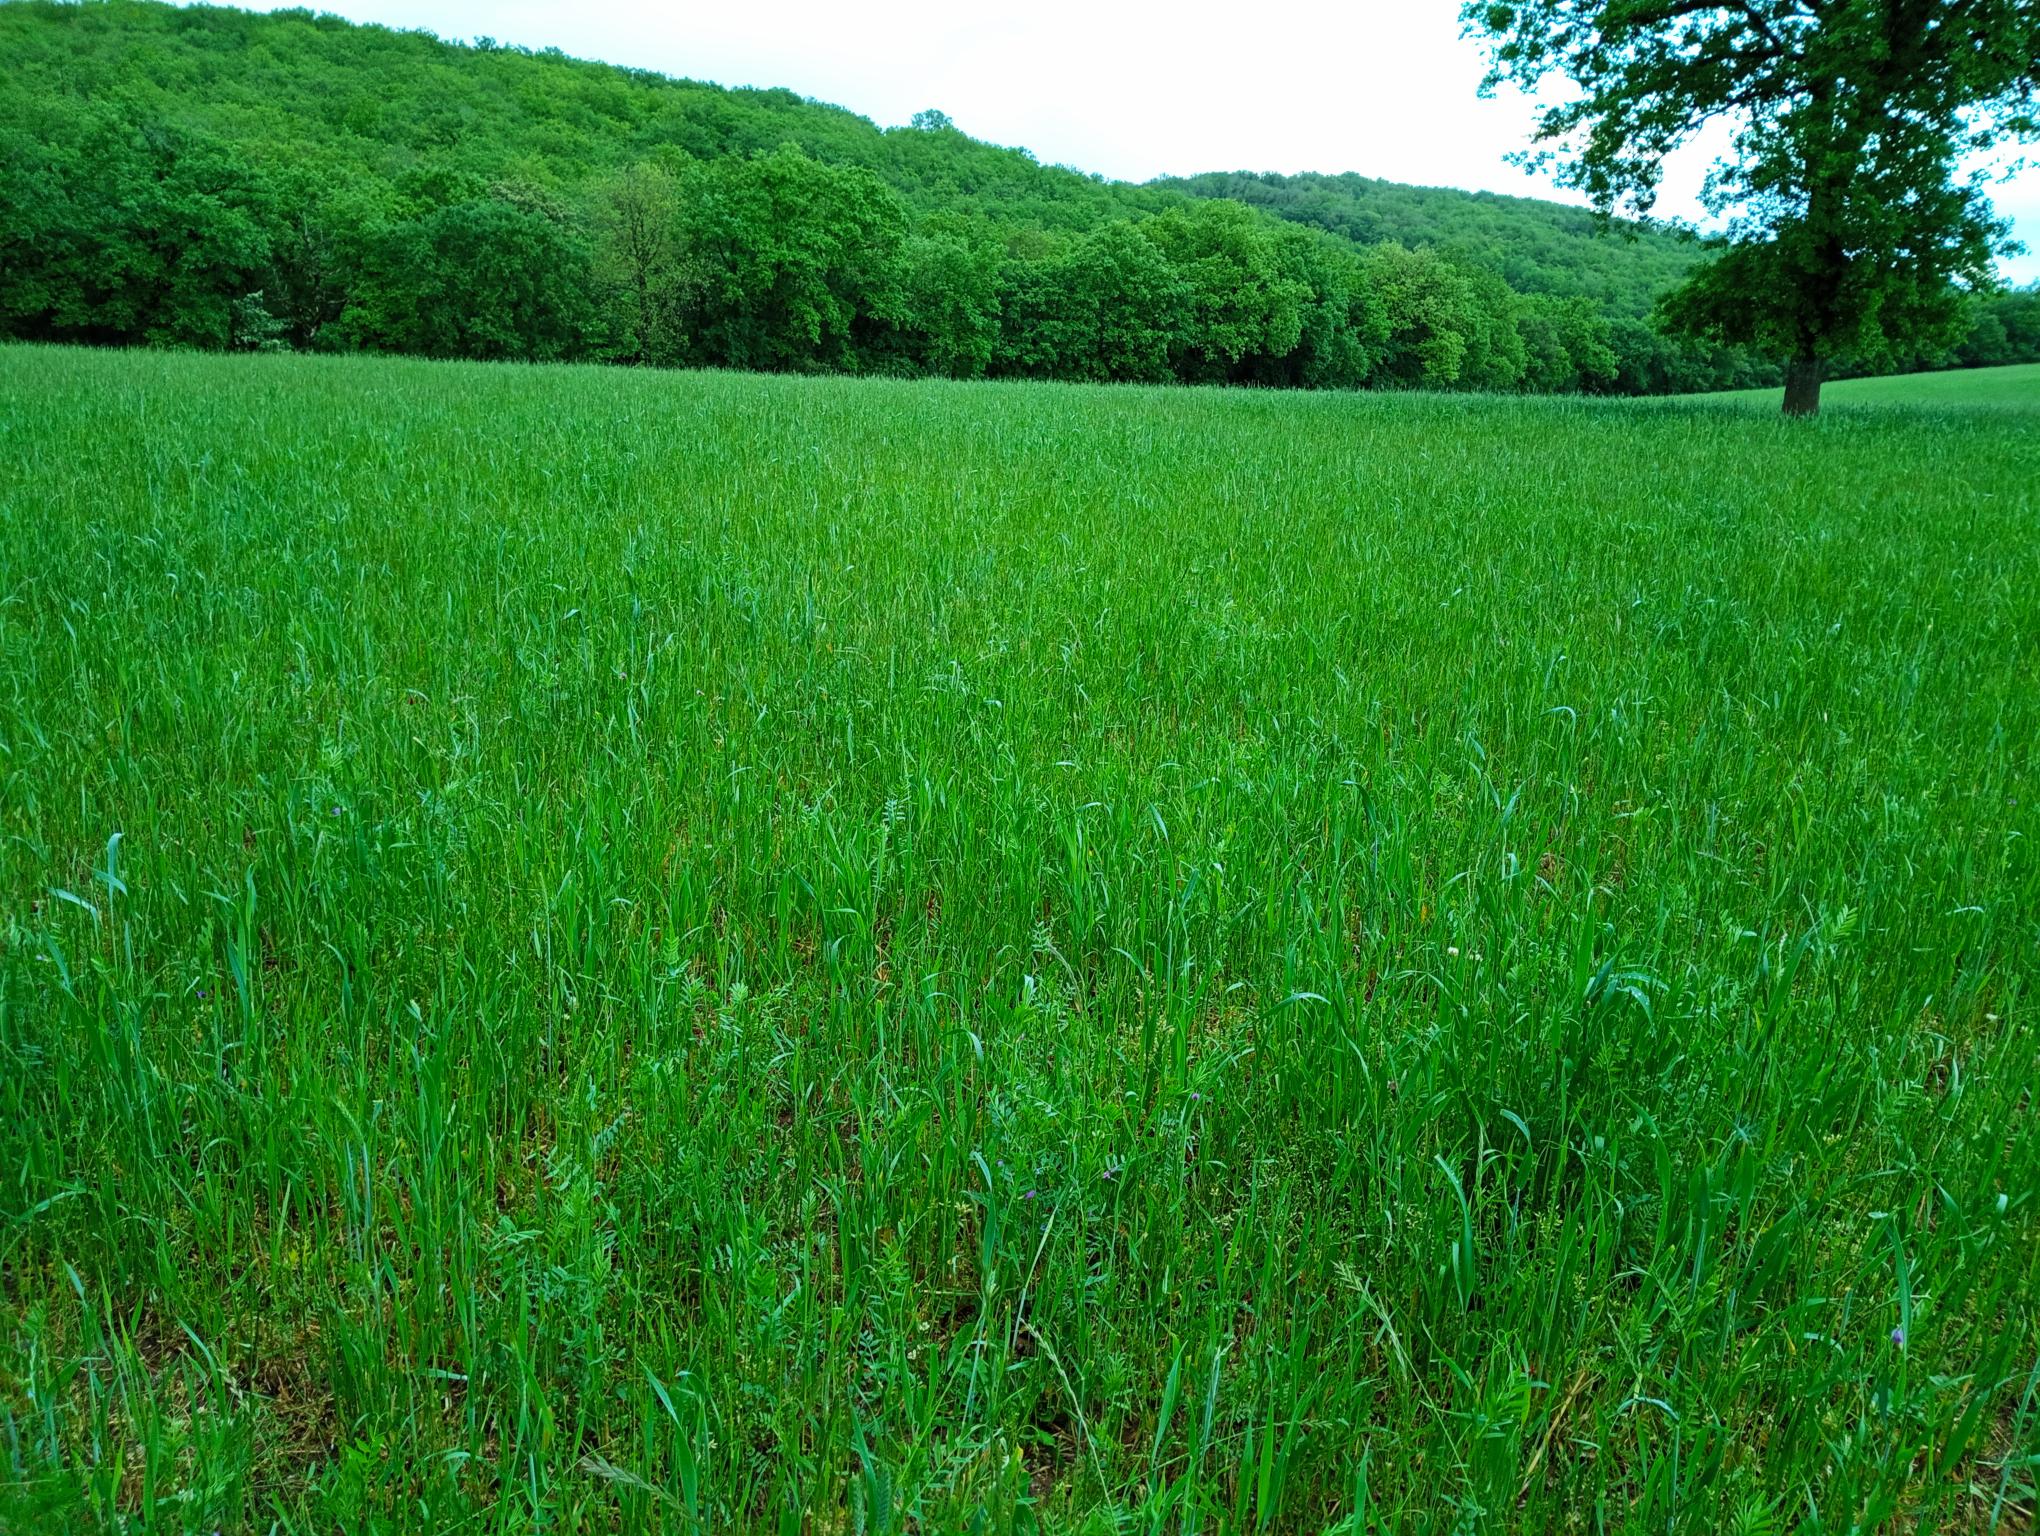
(1550, 249)
(212, 178)
(1537, 247)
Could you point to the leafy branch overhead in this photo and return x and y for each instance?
(1852, 227)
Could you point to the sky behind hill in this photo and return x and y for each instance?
(1387, 88)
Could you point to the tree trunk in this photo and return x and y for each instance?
(1802, 386)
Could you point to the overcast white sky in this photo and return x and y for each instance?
(1131, 90)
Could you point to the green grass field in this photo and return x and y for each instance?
(596, 951)
(2015, 388)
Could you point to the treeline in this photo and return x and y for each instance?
(211, 178)
(2003, 328)
(144, 234)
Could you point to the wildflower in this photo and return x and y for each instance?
(1196, 1096)
(1028, 1196)
(1898, 1337)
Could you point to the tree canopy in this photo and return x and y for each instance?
(1852, 232)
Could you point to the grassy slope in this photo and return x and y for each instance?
(623, 943)
(2015, 388)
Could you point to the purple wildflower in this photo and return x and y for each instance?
(1898, 1337)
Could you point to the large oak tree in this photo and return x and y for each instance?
(1852, 229)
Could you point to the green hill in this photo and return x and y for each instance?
(1537, 246)
(391, 102)
(207, 177)
(405, 104)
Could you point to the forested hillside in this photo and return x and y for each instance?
(1544, 248)
(1538, 247)
(211, 178)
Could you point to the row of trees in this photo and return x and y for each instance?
(143, 234)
